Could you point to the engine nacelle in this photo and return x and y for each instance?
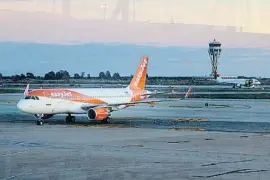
(43, 116)
(98, 114)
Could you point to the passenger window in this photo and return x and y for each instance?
(27, 97)
(33, 97)
(37, 98)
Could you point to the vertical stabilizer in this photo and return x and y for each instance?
(26, 91)
(217, 75)
(139, 79)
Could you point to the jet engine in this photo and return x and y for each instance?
(43, 116)
(98, 114)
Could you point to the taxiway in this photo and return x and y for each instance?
(228, 139)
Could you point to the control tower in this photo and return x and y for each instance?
(214, 53)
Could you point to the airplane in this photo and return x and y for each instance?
(96, 103)
(238, 82)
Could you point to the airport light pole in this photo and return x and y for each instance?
(214, 52)
(104, 6)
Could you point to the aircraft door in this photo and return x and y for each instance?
(48, 102)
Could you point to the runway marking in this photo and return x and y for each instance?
(228, 162)
(133, 145)
(232, 172)
(190, 120)
(209, 139)
(177, 142)
(14, 153)
(186, 129)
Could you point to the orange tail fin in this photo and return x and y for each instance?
(139, 79)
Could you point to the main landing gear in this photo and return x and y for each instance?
(70, 119)
(40, 122)
(106, 121)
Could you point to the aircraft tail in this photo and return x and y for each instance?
(139, 79)
(217, 75)
(26, 91)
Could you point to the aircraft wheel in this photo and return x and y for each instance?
(106, 121)
(73, 119)
(70, 119)
(40, 122)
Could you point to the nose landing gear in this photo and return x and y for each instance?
(40, 122)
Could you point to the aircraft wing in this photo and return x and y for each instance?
(134, 103)
(154, 93)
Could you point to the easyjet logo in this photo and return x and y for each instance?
(140, 74)
(61, 94)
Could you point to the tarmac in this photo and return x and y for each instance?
(227, 139)
(66, 152)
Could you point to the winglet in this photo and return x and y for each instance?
(188, 92)
(26, 91)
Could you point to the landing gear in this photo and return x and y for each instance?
(70, 119)
(40, 122)
(106, 121)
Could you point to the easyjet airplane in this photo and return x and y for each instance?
(96, 103)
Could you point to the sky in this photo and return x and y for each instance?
(163, 61)
(39, 38)
(251, 15)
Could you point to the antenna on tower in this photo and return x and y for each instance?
(104, 6)
(214, 52)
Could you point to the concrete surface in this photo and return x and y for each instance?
(141, 143)
(28, 151)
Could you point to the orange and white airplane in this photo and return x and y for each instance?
(96, 103)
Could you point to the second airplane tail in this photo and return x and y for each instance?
(217, 75)
(139, 80)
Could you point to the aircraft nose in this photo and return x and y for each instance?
(21, 105)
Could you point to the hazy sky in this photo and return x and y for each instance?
(253, 15)
(163, 61)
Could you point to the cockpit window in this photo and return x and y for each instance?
(32, 97)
